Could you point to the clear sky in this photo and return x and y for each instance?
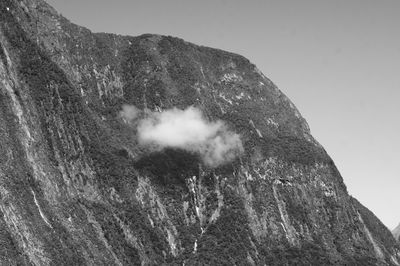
(338, 61)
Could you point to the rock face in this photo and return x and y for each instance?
(396, 233)
(76, 188)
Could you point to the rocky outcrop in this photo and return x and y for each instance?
(77, 188)
(396, 233)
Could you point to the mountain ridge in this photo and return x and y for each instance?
(77, 186)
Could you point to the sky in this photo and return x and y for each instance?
(338, 61)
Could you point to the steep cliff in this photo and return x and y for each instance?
(77, 187)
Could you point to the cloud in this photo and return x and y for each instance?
(187, 130)
(129, 113)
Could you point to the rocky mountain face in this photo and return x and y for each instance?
(396, 233)
(78, 187)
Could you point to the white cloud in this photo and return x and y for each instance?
(188, 130)
(129, 113)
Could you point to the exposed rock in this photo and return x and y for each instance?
(396, 233)
(76, 188)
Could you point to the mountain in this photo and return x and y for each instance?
(396, 233)
(99, 165)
